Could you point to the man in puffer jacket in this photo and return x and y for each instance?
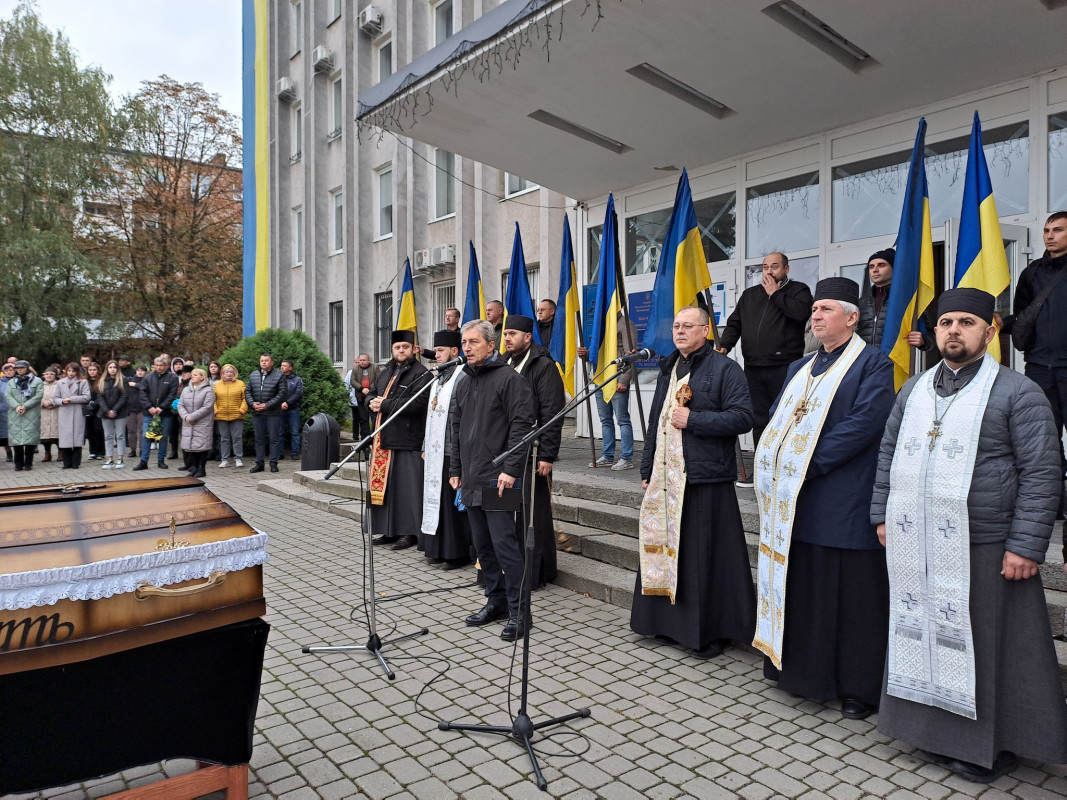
(265, 392)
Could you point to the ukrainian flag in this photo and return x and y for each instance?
(518, 300)
(604, 341)
(255, 102)
(474, 305)
(564, 345)
(406, 318)
(912, 289)
(981, 262)
(682, 273)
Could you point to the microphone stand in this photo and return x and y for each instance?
(374, 642)
(522, 728)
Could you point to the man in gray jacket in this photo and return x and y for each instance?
(965, 497)
(265, 392)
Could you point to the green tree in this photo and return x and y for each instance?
(57, 127)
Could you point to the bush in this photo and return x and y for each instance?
(324, 391)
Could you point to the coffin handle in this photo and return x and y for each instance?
(147, 590)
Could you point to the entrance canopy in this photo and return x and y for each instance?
(588, 97)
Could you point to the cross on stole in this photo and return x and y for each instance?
(804, 407)
(933, 433)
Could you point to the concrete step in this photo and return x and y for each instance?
(595, 579)
(292, 490)
(605, 517)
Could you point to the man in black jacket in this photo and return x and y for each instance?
(158, 390)
(265, 392)
(536, 364)
(294, 389)
(493, 413)
(396, 461)
(769, 321)
(875, 300)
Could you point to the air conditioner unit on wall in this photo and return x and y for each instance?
(422, 260)
(370, 20)
(443, 254)
(322, 58)
(285, 89)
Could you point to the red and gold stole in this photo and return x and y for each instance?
(379, 463)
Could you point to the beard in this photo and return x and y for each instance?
(960, 353)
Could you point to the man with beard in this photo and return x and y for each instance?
(446, 533)
(396, 471)
(537, 366)
(493, 414)
(965, 497)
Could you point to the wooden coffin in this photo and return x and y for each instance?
(98, 568)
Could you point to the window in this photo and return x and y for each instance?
(338, 7)
(383, 325)
(337, 108)
(297, 25)
(337, 332)
(337, 221)
(199, 186)
(594, 236)
(514, 185)
(1057, 162)
(445, 183)
(443, 19)
(298, 237)
(385, 202)
(716, 222)
(385, 59)
(297, 136)
(533, 278)
(298, 319)
(444, 297)
(783, 216)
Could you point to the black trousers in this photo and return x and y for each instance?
(24, 455)
(499, 554)
(268, 429)
(764, 384)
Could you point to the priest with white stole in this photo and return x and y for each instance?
(822, 608)
(445, 537)
(966, 494)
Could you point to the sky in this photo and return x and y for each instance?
(192, 41)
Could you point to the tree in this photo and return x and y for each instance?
(57, 126)
(170, 228)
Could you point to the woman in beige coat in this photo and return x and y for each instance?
(72, 395)
(49, 413)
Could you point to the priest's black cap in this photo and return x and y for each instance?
(446, 339)
(845, 290)
(517, 322)
(403, 336)
(969, 301)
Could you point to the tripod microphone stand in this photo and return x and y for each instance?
(522, 727)
(374, 642)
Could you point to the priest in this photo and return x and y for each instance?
(446, 534)
(821, 575)
(694, 587)
(396, 460)
(966, 494)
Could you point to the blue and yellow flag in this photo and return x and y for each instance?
(406, 318)
(604, 340)
(474, 305)
(912, 289)
(981, 262)
(564, 344)
(682, 273)
(255, 101)
(517, 300)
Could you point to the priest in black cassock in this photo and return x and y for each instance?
(537, 366)
(694, 587)
(821, 574)
(396, 461)
(966, 495)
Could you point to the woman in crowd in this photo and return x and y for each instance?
(135, 410)
(230, 410)
(214, 372)
(24, 394)
(177, 365)
(49, 412)
(94, 428)
(111, 410)
(196, 408)
(72, 396)
(7, 374)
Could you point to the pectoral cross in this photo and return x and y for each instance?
(683, 395)
(804, 407)
(933, 433)
(433, 405)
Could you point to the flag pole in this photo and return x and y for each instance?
(585, 380)
(631, 345)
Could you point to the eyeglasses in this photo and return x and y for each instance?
(686, 326)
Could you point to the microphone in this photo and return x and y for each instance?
(640, 355)
(461, 359)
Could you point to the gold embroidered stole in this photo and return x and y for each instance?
(380, 459)
(661, 507)
(781, 463)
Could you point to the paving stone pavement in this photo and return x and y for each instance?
(664, 724)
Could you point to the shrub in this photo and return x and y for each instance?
(323, 390)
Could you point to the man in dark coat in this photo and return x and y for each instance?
(822, 584)
(158, 390)
(358, 381)
(965, 499)
(769, 321)
(396, 461)
(546, 320)
(700, 407)
(291, 409)
(536, 364)
(265, 391)
(875, 299)
(493, 413)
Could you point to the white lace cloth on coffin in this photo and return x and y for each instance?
(45, 587)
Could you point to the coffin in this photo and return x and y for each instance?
(98, 568)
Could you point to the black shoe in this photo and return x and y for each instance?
(18, 468)
(404, 542)
(273, 467)
(162, 465)
(856, 709)
(140, 465)
(1004, 763)
(716, 648)
(383, 539)
(186, 468)
(451, 565)
(257, 468)
(513, 630)
(490, 612)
